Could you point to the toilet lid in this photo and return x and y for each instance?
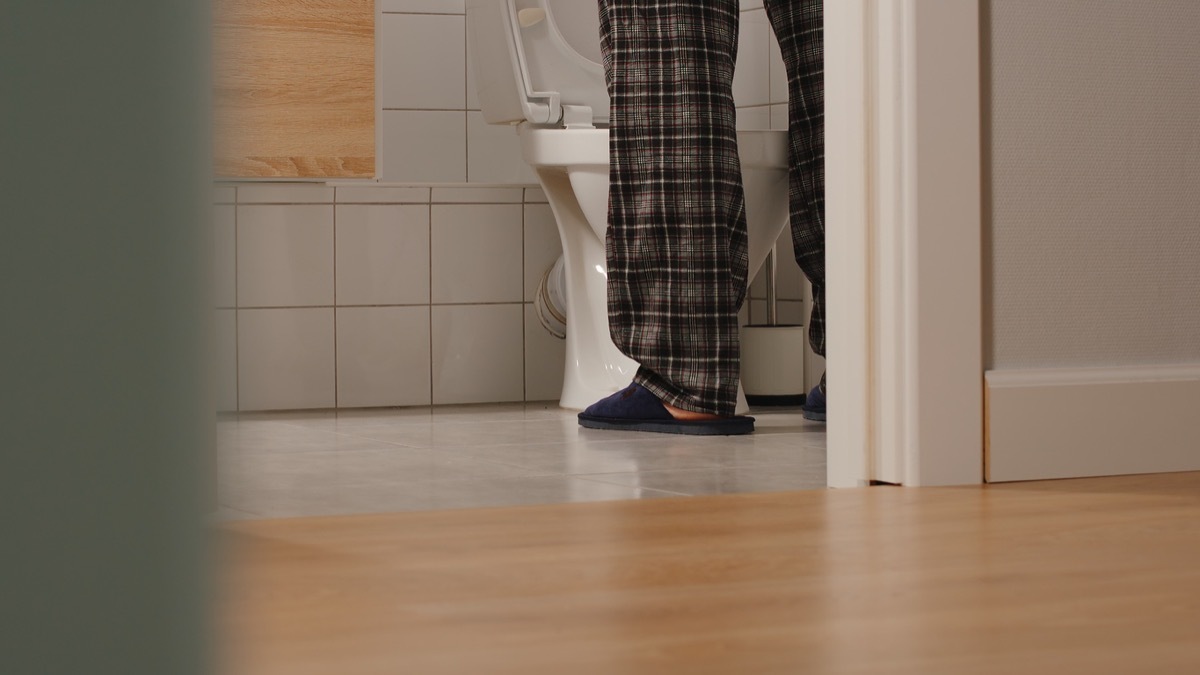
(579, 23)
(561, 61)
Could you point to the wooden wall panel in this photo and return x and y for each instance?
(294, 88)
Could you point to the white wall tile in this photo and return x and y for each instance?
(382, 254)
(494, 153)
(535, 195)
(476, 253)
(777, 73)
(423, 61)
(789, 279)
(285, 359)
(545, 359)
(751, 85)
(478, 353)
(424, 146)
(472, 94)
(381, 194)
(225, 256)
(758, 312)
(757, 117)
(383, 356)
(284, 193)
(751, 4)
(758, 286)
(779, 116)
(224, 194)
(791, 312)
(542, 245)
(477, 195)
(285, 255)
(225, 360)
(427, 6)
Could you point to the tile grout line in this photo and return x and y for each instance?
(420, 202)
(335, 312)
(429, 307)
(423, 13)
(466, 114)
(378, 36)
(524, 294)
(237, 352)
(421, 304)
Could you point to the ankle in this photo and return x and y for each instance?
(681, 414)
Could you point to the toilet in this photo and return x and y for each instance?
(538, 66)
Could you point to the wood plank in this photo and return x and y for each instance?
(294, 88)
(1096, 576)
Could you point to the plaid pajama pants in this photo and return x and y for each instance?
(676, 246)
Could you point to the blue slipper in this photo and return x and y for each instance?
(814, 405)
(634, 408)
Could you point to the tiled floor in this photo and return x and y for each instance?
(280, 465)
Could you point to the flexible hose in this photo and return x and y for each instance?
(550, 302)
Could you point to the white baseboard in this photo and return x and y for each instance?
(1069, 423)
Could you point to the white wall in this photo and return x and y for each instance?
(1092, 285)
(1094, 256)
(417, 289)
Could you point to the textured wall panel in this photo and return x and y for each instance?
(1095, 166)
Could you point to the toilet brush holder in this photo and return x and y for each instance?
(773, 355)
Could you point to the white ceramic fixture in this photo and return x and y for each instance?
(538, 66)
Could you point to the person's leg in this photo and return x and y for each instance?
(799, 28)
(676, 245)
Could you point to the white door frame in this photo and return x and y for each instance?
(903, 244)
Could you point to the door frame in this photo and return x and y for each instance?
(904, 248)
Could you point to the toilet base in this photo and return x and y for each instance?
(573, 169)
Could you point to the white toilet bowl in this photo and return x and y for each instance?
(572, 167)
(537, 65)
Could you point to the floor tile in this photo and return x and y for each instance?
(479, 433)
(370, 467)
(273, 437)
(412, 496)
(722, 480)
(224, 513)
(326, 462)
(618, 456)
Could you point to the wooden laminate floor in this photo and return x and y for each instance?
(1085, 576)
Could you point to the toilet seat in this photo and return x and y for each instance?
(553, 76)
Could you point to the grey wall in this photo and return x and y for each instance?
(103, 428)
(1092, 182)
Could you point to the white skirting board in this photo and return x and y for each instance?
(1069, 423)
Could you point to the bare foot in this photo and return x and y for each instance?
(689, 415)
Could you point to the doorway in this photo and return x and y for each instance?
(903, 197)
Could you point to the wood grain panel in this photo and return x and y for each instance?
(1087, 576)
(294, 88)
